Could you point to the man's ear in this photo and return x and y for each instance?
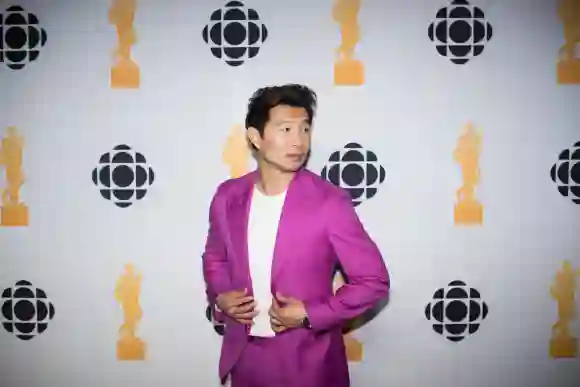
(254, 137)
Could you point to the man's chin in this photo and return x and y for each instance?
(291, 168)
(288, 167)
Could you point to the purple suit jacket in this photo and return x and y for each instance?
(318, 229)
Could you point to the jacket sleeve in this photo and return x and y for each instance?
(362, 262)
(216, 271)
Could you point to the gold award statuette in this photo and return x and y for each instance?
(569, 59)
(125, 72)
(562, 343)
(127, 290)
(236, 152)
(468, 210)
(354, 348)
(13, 213)
(348, 71)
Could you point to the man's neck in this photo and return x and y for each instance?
(273, 181)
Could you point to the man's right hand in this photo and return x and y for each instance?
(238, 305)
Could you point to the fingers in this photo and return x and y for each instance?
(274, 312)
(242, 309)
(240, 300)
(275, 322)
(245, 315)
(236, 297)
(277, 325)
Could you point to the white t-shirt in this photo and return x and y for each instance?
(265, 212)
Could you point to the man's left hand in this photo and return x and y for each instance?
(290, 315)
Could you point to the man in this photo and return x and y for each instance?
(275, 237)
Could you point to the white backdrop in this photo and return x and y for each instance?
(410, 113)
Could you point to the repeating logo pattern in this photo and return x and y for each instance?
(123, 176)
(566, 173)
(21, 37)
(456, 311)
(460, 31)
(235, 33)
(355, 169)
(26, 310)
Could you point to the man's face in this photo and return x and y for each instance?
(286, 140)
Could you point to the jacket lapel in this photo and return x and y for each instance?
(287, 226)
(238, 214)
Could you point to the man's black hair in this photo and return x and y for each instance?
(266, 98)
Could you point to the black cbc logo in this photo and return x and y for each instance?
(355, 169)
(566, 173)
(456, 311)
(460, 31)
(123, 176)
(21, 37)
(235, 33)
(26, 310)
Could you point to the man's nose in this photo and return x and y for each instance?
(298, 141)
(298, 144)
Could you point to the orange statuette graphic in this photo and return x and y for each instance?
(236, 153)
(13, 212)
(563, 344)
(347, 70)
(468, 210)
(129, 346)
(569, 59)
(354, 348)
(125, 72)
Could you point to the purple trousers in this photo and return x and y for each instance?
(262, 364)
